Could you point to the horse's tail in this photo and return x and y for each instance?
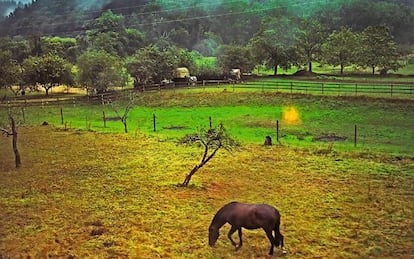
(278, 236)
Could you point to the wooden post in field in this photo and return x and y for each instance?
(210, 121)
(391, 90)
(356, 89)
(104, 118)
(61, 115)
(355, 136)
(23, 114)
(154, 122)
(277, 131)
(322, 88)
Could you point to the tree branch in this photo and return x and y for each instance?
(6, 132)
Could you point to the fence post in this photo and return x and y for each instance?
(356, 89)
(154, 122)
(322, 88)
(209, 118)
(291, 87)
(391, 89)
(104, 118)
(61, 115)
(355, 136)
(277, 131)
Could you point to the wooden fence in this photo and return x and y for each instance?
(394, 90)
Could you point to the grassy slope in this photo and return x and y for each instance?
(383, 125)
(113, 195)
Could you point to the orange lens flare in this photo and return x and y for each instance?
(290, 115)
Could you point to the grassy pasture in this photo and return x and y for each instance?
(102, 193)
(382, 125)
(97, 195)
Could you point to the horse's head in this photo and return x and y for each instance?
(213, 234)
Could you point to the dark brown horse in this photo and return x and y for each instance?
(249, 216)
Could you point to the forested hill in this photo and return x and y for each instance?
(190, 22)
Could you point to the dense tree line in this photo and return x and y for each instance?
(112, 49)
(191, 23)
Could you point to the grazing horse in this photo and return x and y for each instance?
(249, 216)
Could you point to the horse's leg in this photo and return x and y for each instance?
(232, 230)
(271, 239)
(240, 239)
(282, 244)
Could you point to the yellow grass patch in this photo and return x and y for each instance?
(85, 194)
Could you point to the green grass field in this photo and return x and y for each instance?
(382, 125)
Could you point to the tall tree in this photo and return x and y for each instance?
(19, 49)
(339, 48)
(99, 70)
(152, 64)
(378, 49)
(63, 47)
(48, 71)
(274, 44)
(10, 72)
(310, 40)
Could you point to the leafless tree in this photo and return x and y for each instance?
(126, 109)
(12, 131)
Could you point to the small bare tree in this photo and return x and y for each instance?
(129, 105)
(212, 140)
(124, 116)
(12, 131)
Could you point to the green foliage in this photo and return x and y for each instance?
(10, 72)
(273, 46)
(99, 70)
(340, 48)
(62, 47)
(48, 71)
(236, 56)
(108, 33)
(205, 67)
(152, 64)
(19, 49)
(213, 138)
(310, 39)
(378, 49)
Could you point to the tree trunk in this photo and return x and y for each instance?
(188, 176)
(275, 70)
(310, 66)
(342, 69)
(204, 161)
(16, 151)
(373, 70)
(125, 126)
